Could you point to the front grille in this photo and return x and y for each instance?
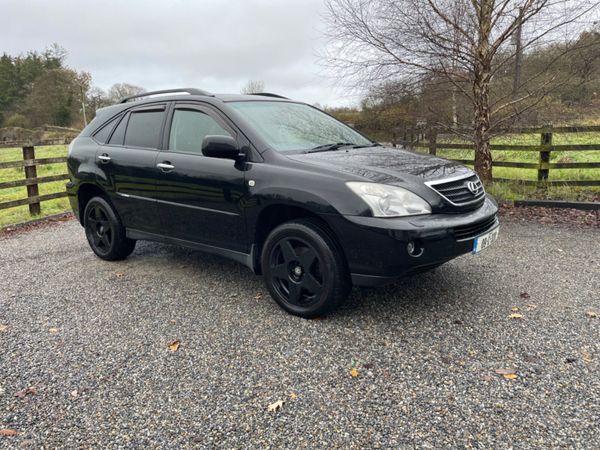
(471, 231)
(457, 192)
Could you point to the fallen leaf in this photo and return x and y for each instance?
(524, 295)
(354, 372)
(7, 432)
(174, 345)
(27, 391)
(275, 406)
(3, 328)
(514, 309)
(258, 296)
(510, 376)
(505, 371)
(119, 274)
(590, 314)
(293, 396)
(515, 316)
(53, 330)
(587, 356)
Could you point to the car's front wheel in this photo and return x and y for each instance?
(105, 232)
(303, 269)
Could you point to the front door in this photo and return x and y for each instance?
(199, 198)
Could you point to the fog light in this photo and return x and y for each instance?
(414, 249)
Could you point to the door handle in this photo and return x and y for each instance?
(104, 158)
(165, 166)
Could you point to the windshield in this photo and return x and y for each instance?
(289, 127)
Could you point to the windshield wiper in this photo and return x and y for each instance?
(336, 146)
(329, 147)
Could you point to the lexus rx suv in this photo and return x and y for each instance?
(275, 184)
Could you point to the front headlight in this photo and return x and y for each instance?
(389, 201)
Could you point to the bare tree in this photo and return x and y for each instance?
(459, 43)
(120, 90)
(254, 87)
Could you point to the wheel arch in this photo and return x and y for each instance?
(276, 214)
(85, 193)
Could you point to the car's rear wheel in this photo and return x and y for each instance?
(105, 232)
(303, 269)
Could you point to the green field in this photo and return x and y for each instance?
(504, 191)
(21, 213)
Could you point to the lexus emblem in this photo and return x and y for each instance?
(472, 186)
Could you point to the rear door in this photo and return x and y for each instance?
(199, 198)
(127, 165)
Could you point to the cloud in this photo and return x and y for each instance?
(216, 45)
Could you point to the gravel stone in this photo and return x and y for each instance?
(91, 339)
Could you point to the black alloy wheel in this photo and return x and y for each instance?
(105, 232)
(100, 231)
(296, 271)
(303, 268)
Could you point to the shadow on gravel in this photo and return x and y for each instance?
(447, 286)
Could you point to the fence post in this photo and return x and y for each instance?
(432, 141)
(31, 172)
(543, 169)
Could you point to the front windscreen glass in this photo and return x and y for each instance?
(289, 127)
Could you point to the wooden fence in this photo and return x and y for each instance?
(29, 163)
(545, 149)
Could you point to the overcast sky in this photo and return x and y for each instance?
(217, 45)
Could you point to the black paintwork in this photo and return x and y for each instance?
(216, 204)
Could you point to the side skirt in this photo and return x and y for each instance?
(246, 259)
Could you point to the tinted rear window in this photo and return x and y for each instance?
(143, 129)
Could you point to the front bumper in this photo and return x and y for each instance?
(376, 248)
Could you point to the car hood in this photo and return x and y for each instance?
(387, 165)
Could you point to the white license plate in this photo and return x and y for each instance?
(485, 240)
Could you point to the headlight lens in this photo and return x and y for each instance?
(389, 201)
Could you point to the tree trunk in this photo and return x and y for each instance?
(481, 93)
(483, 155)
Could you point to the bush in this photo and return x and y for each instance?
(17, 120)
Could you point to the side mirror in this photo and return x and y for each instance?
(224, 147)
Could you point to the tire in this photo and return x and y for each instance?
(304, 270)
(105, 232)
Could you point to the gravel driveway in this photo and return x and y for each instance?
(90, 338)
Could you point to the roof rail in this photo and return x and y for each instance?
(191, 91)
(269, 94)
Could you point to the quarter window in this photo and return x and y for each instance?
(102, 135)
(190, 127)
(119, 134)
(143, 129)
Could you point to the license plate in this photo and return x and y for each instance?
(485, 240)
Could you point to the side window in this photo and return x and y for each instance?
(119, 134)
(189, 128)
(101, 136)
(143, 129)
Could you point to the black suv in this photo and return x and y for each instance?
(274, 184)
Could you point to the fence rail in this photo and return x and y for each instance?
(545, 149)
(30, 163)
